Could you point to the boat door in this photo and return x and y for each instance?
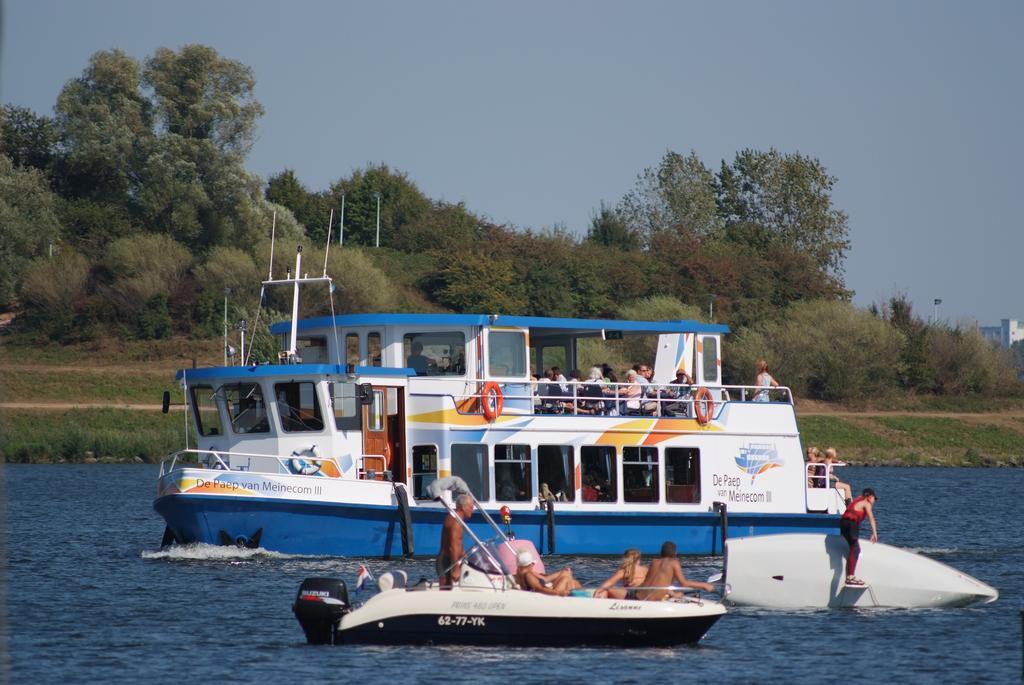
(383, 435)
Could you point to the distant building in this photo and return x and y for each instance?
(1005, 334)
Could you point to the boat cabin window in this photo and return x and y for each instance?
(352, 349)
(436, 354)
(600, 482)
(345, 405)
(640, 474)
(555, 469)
(246, 408)
(373, 349)
(469, 462)
(506, 353)
(204, 408)
(312, 350)
(709, 347)
(297, 407)
(512, 482)
(682, 475)
(546, 356)
(424, 470)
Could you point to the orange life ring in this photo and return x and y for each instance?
(703, 405)
(492, 400)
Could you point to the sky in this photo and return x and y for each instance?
(534, 113)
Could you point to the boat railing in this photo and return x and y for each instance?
(372, 467)
(600, 399)
(224, 460)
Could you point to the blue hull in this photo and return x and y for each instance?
(353, 530)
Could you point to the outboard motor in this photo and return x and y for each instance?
(319, 606)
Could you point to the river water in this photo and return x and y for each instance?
(90, 598)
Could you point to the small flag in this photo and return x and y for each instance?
(362, 578)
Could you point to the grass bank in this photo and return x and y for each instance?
(79, 435)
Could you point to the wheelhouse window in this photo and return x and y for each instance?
(469, 462)
(555, 470)
(424, 470)
(345, 405)
(373, 349)
(312, 350)
(246, 408)
(600, 482)
(682, 475)
(512, 482)
(297, 407)
(640, 474)
(352, 349)
(204, 408)
(435, 354)
(506, 353)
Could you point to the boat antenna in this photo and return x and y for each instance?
(273, 230)
(327, 249)
(341, 223)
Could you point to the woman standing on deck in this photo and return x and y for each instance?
(763, 380)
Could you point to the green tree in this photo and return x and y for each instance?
(27, 138)
(28, 223)
(784, 198)
(678, 195)
(609, 229)
(140, 268)
(200, 95)
(401, 203)
(917, 371)
(312, 210)
(106, 129)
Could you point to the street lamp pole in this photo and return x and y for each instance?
(378, 218)
(935, 311)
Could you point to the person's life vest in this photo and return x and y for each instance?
(855, 514)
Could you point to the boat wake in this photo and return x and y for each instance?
(200, 551)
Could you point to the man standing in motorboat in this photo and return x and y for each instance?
(666, 571)
(449, 559)
(849, 527)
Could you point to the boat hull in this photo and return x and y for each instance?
(360, 530)
(808, 571)
(514, 617)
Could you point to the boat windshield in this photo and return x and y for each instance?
(482, 560)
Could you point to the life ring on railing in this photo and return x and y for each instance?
(301, 466)
(492, 400)
(703, 405)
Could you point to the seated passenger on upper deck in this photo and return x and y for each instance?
(418, 362)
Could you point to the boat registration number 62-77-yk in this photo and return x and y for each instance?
(461, 621)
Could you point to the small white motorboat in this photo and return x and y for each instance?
(808, 571)
(487, 608)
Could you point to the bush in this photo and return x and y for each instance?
(964, 362)
(54, 292)
(143, 267)
(825, 350)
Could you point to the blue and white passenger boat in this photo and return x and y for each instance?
(330, 450)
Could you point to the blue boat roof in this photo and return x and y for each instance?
(260, 370)
(552, 324)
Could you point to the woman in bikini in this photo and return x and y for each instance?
(632, 574)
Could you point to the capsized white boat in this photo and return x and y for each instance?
(808, 571)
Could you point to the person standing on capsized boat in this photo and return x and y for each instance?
(449, 559)
(849, 527)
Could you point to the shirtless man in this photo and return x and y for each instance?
(665, 571)
(849, 527)
(449, 560)
(560, 583)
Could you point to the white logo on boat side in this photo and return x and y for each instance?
(461, 621)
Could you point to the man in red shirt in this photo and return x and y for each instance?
(849, 527)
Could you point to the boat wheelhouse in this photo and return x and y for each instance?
(331, 450)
